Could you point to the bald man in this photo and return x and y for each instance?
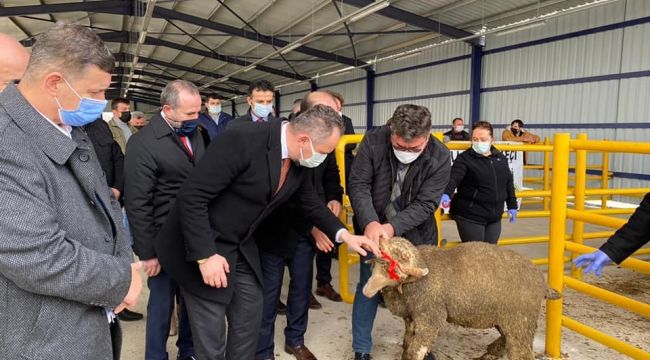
(13, 61)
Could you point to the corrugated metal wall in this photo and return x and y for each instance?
(352, 86)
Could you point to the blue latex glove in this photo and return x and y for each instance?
(513, 215)
(444, 202)
(594, 261)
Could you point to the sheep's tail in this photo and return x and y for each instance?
(552, 294)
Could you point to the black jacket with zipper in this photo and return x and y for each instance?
(483, 184)
(371, 182)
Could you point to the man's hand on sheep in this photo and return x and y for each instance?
(374, 231)
(214, 271)
(323, 243)
(388, 228)
(334, 206)
(360, 243)
(594, 261)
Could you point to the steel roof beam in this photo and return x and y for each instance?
(119, 7)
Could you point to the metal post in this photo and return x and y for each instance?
(313, 86)
(276, 97)
(475, 84)
(605, 179)
(556, 242)
(370, 98)
(579, 200)
(234, 108)
(547, 174)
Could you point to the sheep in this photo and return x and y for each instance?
(475, 285)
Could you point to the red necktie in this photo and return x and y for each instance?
(186, 144)
(284, 170)
(259, 120)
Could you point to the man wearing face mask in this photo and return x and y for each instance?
(397, 176)
(158, 159)
(213, 119)
(208, 244)
(120, 123)
(261, 95)
(457, 132)
(65, 264)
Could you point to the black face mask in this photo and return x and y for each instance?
(515, 132)
(125, 116)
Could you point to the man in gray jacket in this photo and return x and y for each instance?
(65, 265)
(397, 177)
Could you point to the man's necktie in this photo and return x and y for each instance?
(284, 170)
(259, 120)
(186, 144)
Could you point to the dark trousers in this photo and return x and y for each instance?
(473, 231)
(162, 294)
(301, 272)
(324, 266)
(244, 313)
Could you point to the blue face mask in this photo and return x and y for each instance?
(88, 110)
(262, 110)
(481, 147)
(187, 128)
(214, 109)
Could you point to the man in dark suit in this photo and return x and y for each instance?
(285, 236)
(261, 94)
(213, 120)
(207, 244)
(158, 159)
(109, 155)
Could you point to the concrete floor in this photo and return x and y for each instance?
(329, 333)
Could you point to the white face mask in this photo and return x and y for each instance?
(481, 147)
(214, 109)
(315, 159)
(459, 128)
(406, 157)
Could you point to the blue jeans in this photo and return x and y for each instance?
(364, 311)
(298, 298)
(162, 294)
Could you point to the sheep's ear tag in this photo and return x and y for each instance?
(399, 288)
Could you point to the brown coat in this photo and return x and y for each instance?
(526, 137)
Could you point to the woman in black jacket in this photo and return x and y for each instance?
(484, 182)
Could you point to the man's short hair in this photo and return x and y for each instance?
(454, 121)
(319, 121)
(308, 103)
(137, 114)
(171, 93)
(410, 121)
(213, 96)
(117, 101)
(260, 85)
(70, 49)
(337, 96)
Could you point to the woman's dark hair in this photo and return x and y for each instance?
(517, 121)
(483, 125)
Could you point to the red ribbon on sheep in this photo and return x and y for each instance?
(392, 266)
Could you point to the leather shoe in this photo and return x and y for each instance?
(361, 356)
(314, 304)
(429, 356)
(300, 352)
(282, 308)
(328, 291)
(128, 315)
(186, 358)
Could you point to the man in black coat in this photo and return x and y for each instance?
(207, 244)
(286, 236)
(397, 177)
(628, 239)
(261, 95)
(158, 159)
(109, 155)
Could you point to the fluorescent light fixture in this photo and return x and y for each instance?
(291, 47)
(512, 30)
(249, 68)
(224, 79)
(406, 56)
(369, 10)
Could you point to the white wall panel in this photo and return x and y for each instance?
(636, 52)
(637, 9)
(442, 109)
(427, 56)
(242, 108)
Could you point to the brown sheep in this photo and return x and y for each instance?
(475, 285)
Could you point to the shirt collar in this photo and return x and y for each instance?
(283, 140)
(65, 129)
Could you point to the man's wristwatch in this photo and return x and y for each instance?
(201, 261)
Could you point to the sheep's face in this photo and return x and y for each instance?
(398, 265)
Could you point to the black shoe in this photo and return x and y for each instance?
(362, 356)
(429, 356)
(282, 308)
(128, 315)
(191, 357)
